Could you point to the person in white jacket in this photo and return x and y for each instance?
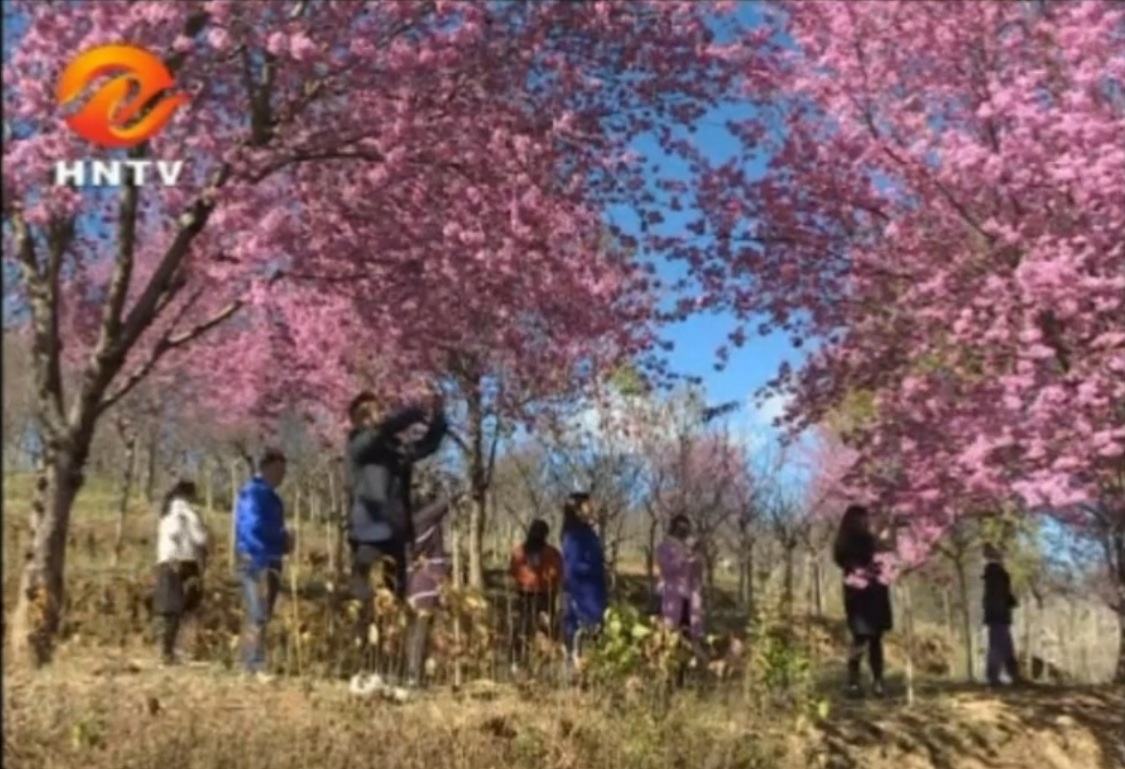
(181, 556)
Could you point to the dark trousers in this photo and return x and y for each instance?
(179, 594)
(871, 643)
(417, 645)
(374, 567)
(386, 561)
(1001, 654)
(679, 679)
(531, 609)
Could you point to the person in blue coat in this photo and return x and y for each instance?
(584, 573)
(261, 542)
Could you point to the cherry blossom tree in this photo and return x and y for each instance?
(386, 180)
(690, 464)
(942, 214)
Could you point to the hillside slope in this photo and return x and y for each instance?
(111, 713)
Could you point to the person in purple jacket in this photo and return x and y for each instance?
(679, 566)
(428, 573)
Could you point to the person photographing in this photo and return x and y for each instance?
(379, 461)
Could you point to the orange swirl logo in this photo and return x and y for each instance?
(108, 117)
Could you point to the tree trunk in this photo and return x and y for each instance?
(908, 620)
(1119, 670)
(338, 517)
(455, 548)
(127, 475)
(478, 492)
(232, 555)
(153, 456)
(650, 550)
(612, 553)
(476, 542)
(38, 612)
(746, 558)
(818, 586)
(741, 582)
(966, 617)
(947, 613)
(788, 584)
(208, 486)
(1119, 548)
(296, 533)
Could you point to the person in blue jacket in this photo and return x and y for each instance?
(584, 575)
(261, 542)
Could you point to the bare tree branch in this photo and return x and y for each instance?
(166, 344)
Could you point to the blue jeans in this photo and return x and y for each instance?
(259, 593)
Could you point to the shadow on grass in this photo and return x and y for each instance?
(958, 724)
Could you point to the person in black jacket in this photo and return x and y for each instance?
(999, 603)
(867, 600)
(379, 465)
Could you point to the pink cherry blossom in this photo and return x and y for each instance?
(942, 217)
(367, 189)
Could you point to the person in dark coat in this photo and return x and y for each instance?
(999, 603)
(429, 572)
(379, 462)
(584, 573)
(867, 600)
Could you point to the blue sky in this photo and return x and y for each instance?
(697, 339)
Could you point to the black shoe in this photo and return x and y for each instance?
(854, 691)
(878, 690)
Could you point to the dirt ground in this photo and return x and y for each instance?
(113, 710)
(104, 705)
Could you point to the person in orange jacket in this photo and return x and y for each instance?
(536, 569)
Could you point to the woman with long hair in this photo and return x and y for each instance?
(536, 569)
(867, 599)
(181, 556)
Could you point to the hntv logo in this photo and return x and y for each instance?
(111, 173)
(126, 110)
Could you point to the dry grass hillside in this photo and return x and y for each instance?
(769, 699)
(104, 711)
